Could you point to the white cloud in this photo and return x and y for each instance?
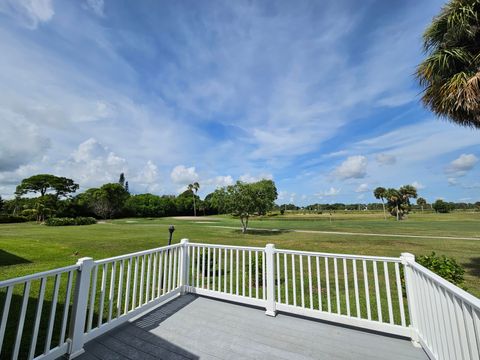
(183, 175)
(362, 188)
(96, 6)
(452, 181)
(330, 192)
(147, 179)
(254, 178)
(285, 196)
(15, 151)
(354, 167)
(418, 185)
(29, 13)
(461, 165)
(385, 159)
(219, 181)
(92, 164)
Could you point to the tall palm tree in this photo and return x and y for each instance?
(450, 74)
(194, 189)
(380, 193)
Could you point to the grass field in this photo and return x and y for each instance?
(28, 248)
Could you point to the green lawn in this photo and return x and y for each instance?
(28, 248)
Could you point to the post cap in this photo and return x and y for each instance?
(184, 241)
(270, 247)
(407, 256)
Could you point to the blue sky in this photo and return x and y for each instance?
(317, 95)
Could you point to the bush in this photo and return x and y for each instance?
(444, 266)
(442, 207)
(70, 221)
(5, 219)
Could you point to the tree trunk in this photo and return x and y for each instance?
(194, 207)
(384, 212)
(398, 213)
(244, 220)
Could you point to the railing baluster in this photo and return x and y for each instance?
(367, 291)
(389, 295)
(160, 274)
(155, 275)
(194, 266)
(120, 288)
(278, 276)
(127, 286)
(220, 269)
(149, 278)
(169, 281)
(225, 266)
(165, 272)
(102, 295)
(93, 293)
(400, 295)
(256, 274)
(175, 269)
(377, 292)
(250, 273)
(264, 277)
(243, 273)
(294, 281)
(236, 272)
(111, 294)
(38, 315)
(347, 294)
(5, 313)
(337, 289)
(310, 281)
(327, 280)
(53, 309)
(198, 267)
(208, 268)
(319, 284)
(231, 271)
(214, 273)
(285, 270)
(189, 264)
(203, 267)
(302, 290)
(66, 308)
(355, 284)
(135, 283)
(142, 282)
(21, 320)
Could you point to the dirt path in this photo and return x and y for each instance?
(357, 234)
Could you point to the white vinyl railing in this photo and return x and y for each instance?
(49, 314)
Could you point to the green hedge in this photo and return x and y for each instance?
(5, 219)
(446, 267)
(70, 221)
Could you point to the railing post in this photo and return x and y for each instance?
(270, 279)
(408, 258)
(79, 308)
(184, 267)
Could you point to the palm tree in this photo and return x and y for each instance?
(421, 202)
(380, 193)
(450, 73)
(394, 200)
(194, 189)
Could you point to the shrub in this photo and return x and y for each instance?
(444, 266)
(442, 207)
(5, 219)
(70, 221)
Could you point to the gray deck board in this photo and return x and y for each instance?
(191, 327)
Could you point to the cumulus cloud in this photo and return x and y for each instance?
(452, 181)
(15, 151)
(147, 178)
(461, 165)
(248, 178)
(330, 192)
(219, 181)
(183, 175)
(354, 167)
(29, 13)
(92, 164)
(418, 185)
(362, 188)
(385, 159)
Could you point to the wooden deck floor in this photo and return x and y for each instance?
(192, 327)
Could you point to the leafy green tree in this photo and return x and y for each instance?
(421, 202)
(42, 183)
(108, 201)
(126, 186)
(1, 204)
(194, 189)
(121, 180)
(246, 199)
(380, 193)
(149, 205)
(443, 207)
(450, 73)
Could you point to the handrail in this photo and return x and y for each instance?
(138, 253)
(35, 276)
(227, 246)
(341, 256)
